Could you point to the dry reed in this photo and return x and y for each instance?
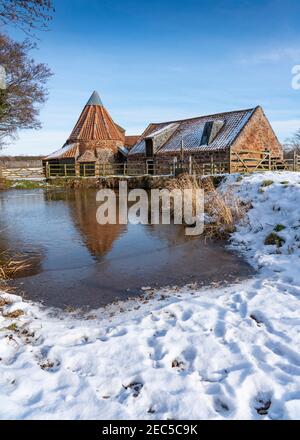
(9, 268)
(222, 209)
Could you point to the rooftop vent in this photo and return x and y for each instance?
(210, 131)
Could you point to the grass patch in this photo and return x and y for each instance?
(12, 327)
(15, 314)
(274, 240)
(5, 184)
(266, 183)
(28, 184)
(285, 182)
(279, 228)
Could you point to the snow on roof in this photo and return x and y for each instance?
(162, 129)
(190, 131)
(68, 150)
(123, 150)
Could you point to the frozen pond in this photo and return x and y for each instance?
(77, 262)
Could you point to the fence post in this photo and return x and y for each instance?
(174, 166)
(190, 166)
(46, 170)
(295, 161)
(124, 169)
(270, 161)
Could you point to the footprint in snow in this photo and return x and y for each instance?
(186, 315)
(35, 398)
(117, 332)
(189, 354)
(262, 402)
(214, 377)
(284, 351)
(222, 406)
(135, 388)
(239, 305)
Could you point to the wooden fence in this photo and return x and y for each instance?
(246, 161)
(94, 170)
(293, 164)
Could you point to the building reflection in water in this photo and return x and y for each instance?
(82, 205)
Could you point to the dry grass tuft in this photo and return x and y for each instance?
(4, 302)
(14, 315)
(10, 267)
(223, 210)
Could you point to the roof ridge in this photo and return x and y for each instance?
(205, 116)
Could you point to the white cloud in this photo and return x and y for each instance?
(272, 56)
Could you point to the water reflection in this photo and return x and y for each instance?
(82, 263)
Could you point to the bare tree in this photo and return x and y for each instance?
(292, 145)
(26, 14)
(25, 88)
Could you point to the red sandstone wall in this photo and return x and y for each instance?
(258, 135)
(105, 144)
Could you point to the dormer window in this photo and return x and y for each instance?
(206, 133)
(149, 147)
(210, 131)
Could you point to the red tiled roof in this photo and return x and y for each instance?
(95, 123)
(68, 151)
(130, 141)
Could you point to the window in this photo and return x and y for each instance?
(149, 147)
(206, 133)
(211, 131)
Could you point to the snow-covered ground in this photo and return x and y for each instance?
(222, 353)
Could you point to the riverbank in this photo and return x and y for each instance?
(146, 182)
(217, 353)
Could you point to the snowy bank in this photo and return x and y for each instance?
(223, 353)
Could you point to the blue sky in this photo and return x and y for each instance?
(161, 60)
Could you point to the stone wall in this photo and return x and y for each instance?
(105, 144)
(20, 162)
(258, 135)
(163, 163)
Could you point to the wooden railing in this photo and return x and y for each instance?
(249, 161)
(209, 168)
(293, 164)
(243, 161)
(94, 170)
